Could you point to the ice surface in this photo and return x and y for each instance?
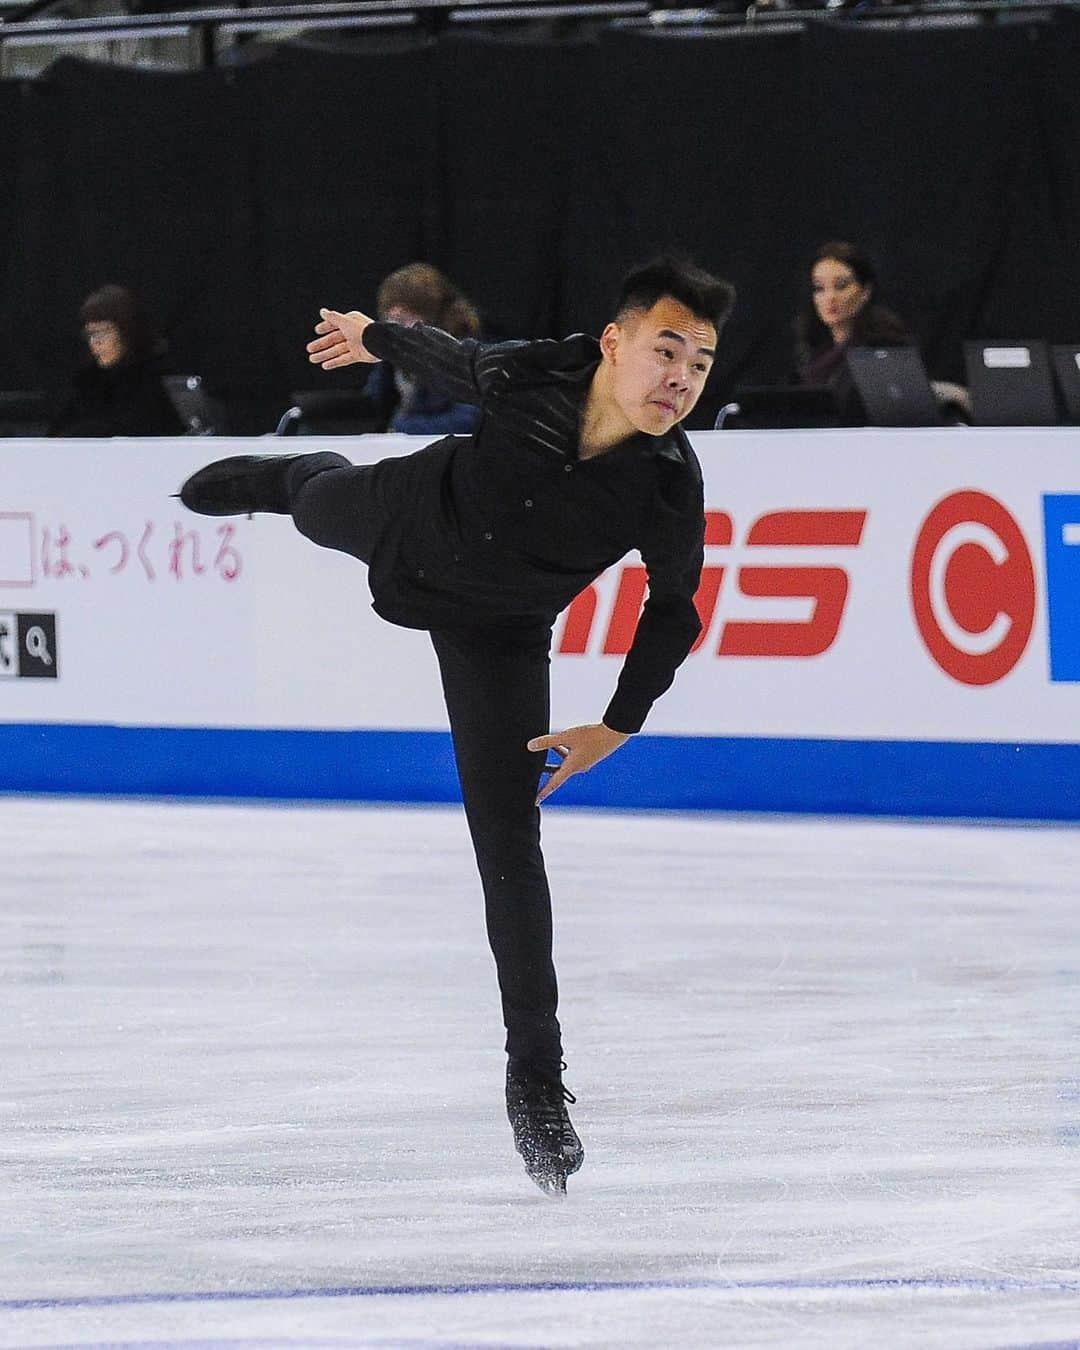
(827, 1080)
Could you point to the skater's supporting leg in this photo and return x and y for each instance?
(496, 685)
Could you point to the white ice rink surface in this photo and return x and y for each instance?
(827, 1077)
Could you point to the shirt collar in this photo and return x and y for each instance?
(580, 357)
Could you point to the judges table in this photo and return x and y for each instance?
(890, 624)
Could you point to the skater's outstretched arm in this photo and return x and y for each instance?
(461, 368)
(580, 748)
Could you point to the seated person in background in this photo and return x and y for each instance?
(119, 391)
(839, 311)
(419, 293)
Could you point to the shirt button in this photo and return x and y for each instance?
(488, 534)
(420, 572)
(528, 501)
(568, 468)
(457, 557)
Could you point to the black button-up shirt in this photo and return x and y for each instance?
(509, 524)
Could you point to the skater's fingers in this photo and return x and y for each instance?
(338, 361)
(328, 349)
(324, 358)
(556, 765)
(555, 782)
(337, 350)
(325, 326)
(548, 743)
(321, 344)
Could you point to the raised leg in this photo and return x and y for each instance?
(334, 503)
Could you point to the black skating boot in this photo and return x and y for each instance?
(240, 485)
(548, 1143)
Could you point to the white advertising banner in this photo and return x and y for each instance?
(874, 584)
(863, 584)
(143, 612)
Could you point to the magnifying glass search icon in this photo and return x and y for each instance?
(37, 646)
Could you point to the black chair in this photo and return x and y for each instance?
(23, 412)
(1067, 369)
(776, 407)
(328, 412)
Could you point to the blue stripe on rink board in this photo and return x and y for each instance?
(1003, 1285)
(1033, 781)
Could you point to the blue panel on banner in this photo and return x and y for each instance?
(1061, 519)
(1030, 781)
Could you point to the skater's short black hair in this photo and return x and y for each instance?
(705, 296)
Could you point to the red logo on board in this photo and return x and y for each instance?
(973, 587)
(824, 585)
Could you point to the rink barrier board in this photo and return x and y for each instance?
(988, 780)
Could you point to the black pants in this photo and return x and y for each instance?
(496, 684)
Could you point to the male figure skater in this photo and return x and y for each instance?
(483, 540)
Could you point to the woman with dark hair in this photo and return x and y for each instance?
(119, 391)
(420, 293)
(838, 311)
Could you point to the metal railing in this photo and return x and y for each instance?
(194, 38)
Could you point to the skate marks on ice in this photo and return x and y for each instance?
(706, 1313)
(281, 1343)
(294, 1343)
(827, 1082)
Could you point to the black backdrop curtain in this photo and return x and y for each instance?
(12, 99)
(535, 171)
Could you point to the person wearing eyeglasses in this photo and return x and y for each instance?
(118, 390)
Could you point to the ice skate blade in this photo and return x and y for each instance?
(551, 1183)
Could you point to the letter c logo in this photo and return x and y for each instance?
(973, 588)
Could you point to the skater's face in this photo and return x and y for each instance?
(659, 360)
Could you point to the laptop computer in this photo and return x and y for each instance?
(776, 407)
(892, 383)
(1010, 384)
(201, 414)
(1067, 369)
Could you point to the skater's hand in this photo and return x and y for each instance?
(579, 748)
(341, 340)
